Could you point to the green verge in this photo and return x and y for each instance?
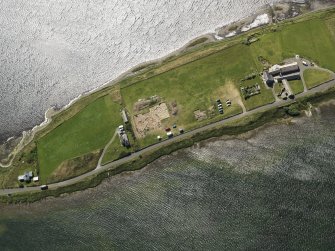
(311, 39)
(311, 36)
(243, 125)
(315, 77)
(296, 86)
(87, 131)
(265, 97)
(193, 86)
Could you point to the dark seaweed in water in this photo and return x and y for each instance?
(273, 191)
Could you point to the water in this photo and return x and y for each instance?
(271, 190)
(51, 51)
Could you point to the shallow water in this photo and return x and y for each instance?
(51, 51)
(273, 190)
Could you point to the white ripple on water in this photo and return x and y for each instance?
(292, 150)
(51, 51)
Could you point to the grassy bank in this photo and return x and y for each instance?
(189, 82)
(238, 127)
(88, 130)
(315, 77)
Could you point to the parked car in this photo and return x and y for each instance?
(44, 187)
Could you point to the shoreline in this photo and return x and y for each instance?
(28, 135)
(252, 123)
(212, 35)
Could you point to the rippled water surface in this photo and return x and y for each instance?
(274, 190)
(51, 51)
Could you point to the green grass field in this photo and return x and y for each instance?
(315, 77)
(193, 86)
(196, 86)
(311, 39)
(87, 131)
(116, 150)
(296, 86)
(265, 97)
(278, 87)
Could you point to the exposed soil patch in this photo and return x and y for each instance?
(116, 94)
(230, 91)
(151, 120)
(145, 103)
(200, 115)
(174, 108)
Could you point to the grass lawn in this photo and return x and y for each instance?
(192, 86)
(196, 86)
(315, 77)
(296, 86)
(265, 97)
(331, 25)
(228, 112)
(116, 150)
(278, 87)
(310, 39)
(85, 132)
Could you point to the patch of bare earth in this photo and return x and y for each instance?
(152, 120)
(115, 94)
(230, 91)
(200, 115)
(142, 104)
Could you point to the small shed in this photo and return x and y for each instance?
(124, 140)
(124, 116)
(26, 177)
(36, 179)
(268, 78)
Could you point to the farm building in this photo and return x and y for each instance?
(268, 78)
(124, 116)
(124, 140)
(293, 76)
(26, 177)
(288, 69)
(280, 72)
(276, 70)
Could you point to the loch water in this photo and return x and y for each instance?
(52, 51)
(272, 189)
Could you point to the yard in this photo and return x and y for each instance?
(87, 131)
(193, 86)
(311, 39)
(296, 86)
(265, 96)
(116, 151)
(315, 77)
(197, 85)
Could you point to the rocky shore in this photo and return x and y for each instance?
(271, 14)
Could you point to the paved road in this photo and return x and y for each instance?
(111, 165)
